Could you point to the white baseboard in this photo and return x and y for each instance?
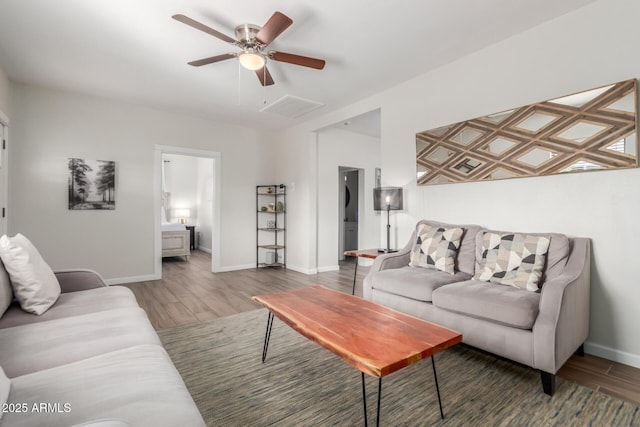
(302, 270)
(236, 267)
(329, 268)
(132, 279)
(203, 249)
(612, 354)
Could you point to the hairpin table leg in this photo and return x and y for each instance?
(435, 377)
(267, 335)
(355, 274)
(364, 401)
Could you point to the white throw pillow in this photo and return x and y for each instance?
(5, 385)
(35, 286)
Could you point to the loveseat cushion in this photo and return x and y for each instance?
(513, 259)
(138, 384)
(484, 300)
(436, 248)
(556, 259)
(466, 259)
(413, 282)
(74, 304)
(37, 346)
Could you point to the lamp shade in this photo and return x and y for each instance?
(387, 198)
(182, 213)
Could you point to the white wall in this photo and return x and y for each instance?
(4, 92)
(181, 179)
(50, 126)
(585, 49)
(292, 157)
(205, 204)
(342, 148)
(590, 47)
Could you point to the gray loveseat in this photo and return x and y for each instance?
(92, 359)
(538, 329)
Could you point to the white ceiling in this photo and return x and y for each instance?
(133, 51)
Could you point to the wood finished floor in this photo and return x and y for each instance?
(190, 293)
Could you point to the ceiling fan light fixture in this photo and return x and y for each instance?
(252, 60)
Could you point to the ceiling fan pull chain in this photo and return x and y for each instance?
(264, 87)
(239, 84)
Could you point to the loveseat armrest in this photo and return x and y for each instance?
(563, 321)
(391, 260)
(384, 262)
(394, 259)
(78, 280)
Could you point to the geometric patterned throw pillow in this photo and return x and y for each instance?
(436, 248)
(513, 259)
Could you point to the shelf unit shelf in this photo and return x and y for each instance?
(271, 226)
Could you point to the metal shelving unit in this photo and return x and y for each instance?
(271, 226)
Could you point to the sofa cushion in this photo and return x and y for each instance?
(5, 386)
(513, 259)
(38, 346)
(557, 255)
(466, 258)
(413, 282)
(138, 385)
(436, 248)
(6, 291)
(74, 304)
(506, 305)
(34, 284)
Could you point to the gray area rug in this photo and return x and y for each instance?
(302, 384)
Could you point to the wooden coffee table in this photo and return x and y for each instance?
(374, 339)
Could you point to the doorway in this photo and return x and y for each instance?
(198, 206)
(350, 184)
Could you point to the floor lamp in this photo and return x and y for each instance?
(387, 199)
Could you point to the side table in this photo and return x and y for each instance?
(361, 253)
(192, 236)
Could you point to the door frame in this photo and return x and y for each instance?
(159, 150)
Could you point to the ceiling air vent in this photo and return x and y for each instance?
(291, 106)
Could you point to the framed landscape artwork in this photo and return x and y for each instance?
(92, 184)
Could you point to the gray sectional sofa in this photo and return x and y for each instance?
(539, 329)
(92, 359)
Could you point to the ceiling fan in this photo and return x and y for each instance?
(252, 40)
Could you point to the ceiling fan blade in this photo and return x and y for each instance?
(264, 76)
(273, 28)
(304, 61)
(212, 59)
(198, 26)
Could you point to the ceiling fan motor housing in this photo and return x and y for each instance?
(246, 34)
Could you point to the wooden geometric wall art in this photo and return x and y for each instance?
(591, 130)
